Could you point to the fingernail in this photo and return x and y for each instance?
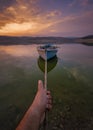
(39, 81)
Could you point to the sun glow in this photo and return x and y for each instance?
(17, 28)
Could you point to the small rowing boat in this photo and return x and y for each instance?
(47, 51)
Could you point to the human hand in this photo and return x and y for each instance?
(36, 112)
(43, 99)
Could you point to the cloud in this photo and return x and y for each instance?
(21, 11)
(53, 13)
(20, 15)
(15, 28)
(6, 3)
(81, 3)
(25, 17)
(54, 25)
(72, 25)
(84, 2)
(26, 28)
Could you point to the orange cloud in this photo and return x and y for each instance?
(25, 19)
(20, 12)
(18, 18)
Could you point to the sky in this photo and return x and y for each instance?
(63, 18)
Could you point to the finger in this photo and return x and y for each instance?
(49, 97)
(48, 93)
(49, 107)
(40, 84)
(49, 102)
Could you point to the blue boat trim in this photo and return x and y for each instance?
(47, 51)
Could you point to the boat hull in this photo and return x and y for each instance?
(47, 54)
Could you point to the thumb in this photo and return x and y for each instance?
(40, 84)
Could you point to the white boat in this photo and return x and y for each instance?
(47, 51)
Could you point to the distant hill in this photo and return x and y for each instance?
(26, 40)
(87, 40)
(7, 40)
(88, 37)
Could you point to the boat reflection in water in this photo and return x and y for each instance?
(50, 64)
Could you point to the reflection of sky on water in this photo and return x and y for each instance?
(78, 53)
(70, 53)
(20, 50)
(17, 59)
(75, 59)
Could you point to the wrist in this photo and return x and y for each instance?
(35, 112)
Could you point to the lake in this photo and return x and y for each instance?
(70, 80)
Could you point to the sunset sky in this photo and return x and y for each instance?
(46, 17)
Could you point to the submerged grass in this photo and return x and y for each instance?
(72, 100)
(73, 107)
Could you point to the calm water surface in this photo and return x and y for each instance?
(70, 79)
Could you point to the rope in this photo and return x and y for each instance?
(45, 70)
(45, 84)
